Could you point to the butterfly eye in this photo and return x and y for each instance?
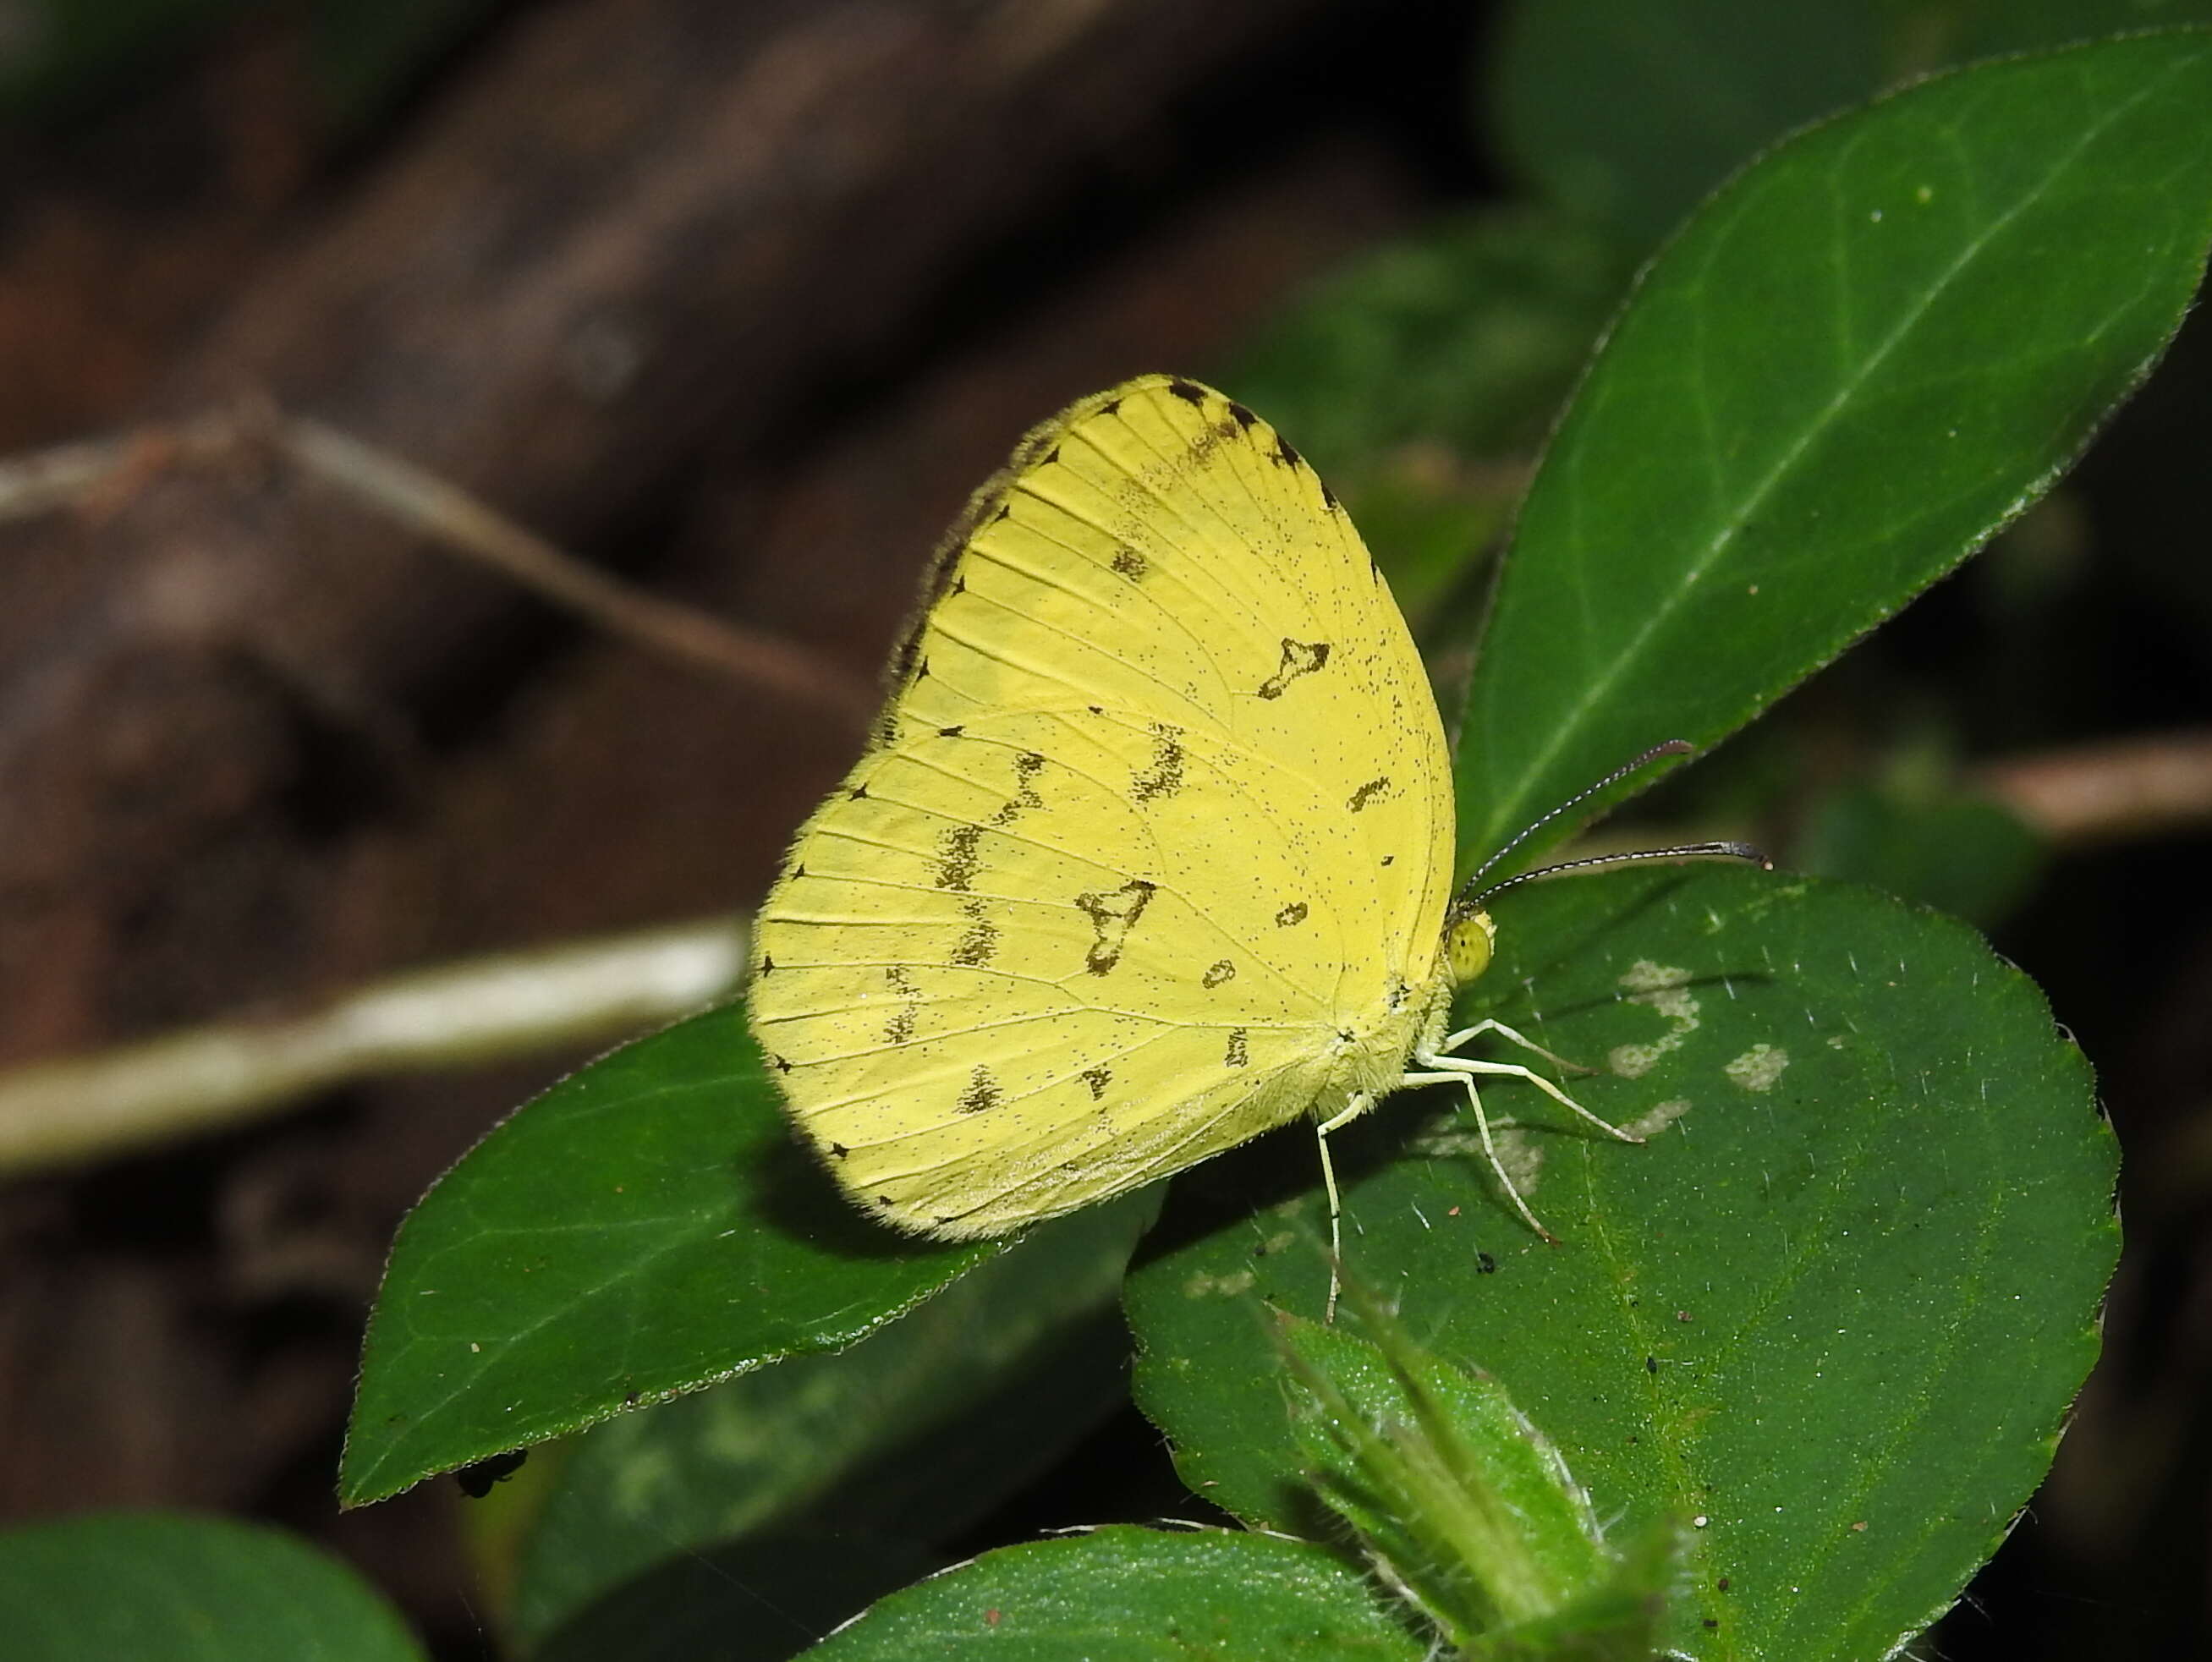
(1469, 938)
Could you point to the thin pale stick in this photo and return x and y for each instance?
(72, 1110)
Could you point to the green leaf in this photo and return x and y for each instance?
(162, 1587)
(1860, 360)
(768, 1449)
(1450, 1489)
(1627, 111)
(1833, 1311)
(646, 1226)
(1123, 1594)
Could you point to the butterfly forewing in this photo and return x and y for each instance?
(1158, 802)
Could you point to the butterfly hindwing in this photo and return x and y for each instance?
(1159, 794)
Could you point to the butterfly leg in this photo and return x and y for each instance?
(1462, 1065)
(1514, 1036)
(1352, 1110)
(1462, 1078)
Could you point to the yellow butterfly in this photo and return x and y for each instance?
(1150, 852)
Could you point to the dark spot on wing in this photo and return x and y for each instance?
(1111, 407)
(1005, 509)
(1097, 1079)
(1390, 859)
(1216, 973)
(959, 584)
(781, 1066)
(951, 732)
(1049, 457)
(1286, 454)
(955, 857)
(1245, 418)
(975, 948)
(1163, 776)
(856, 793)
(1131, 564)
(1367, 793)
(1328, 500)
(1239, 1051)
(840, 1150)
(1189, 391)
(899, 1027)
(983, 1092)
(1028, 764)
(1113, 914)
(1398, 992)
(1300, 657)
(768, 965)
(1294, 912)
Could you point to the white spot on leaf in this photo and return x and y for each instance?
(1206, 1286)
(1665, 989)
(1649, 1126)
(1758, 1068)
(1519, 1156)
(1518, 1152)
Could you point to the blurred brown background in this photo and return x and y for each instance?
(738, 300)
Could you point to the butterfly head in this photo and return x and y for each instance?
(1469, 939)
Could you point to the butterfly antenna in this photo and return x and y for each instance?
(1734, 850)
(1672, 747)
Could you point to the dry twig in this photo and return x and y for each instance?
(76, 474)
